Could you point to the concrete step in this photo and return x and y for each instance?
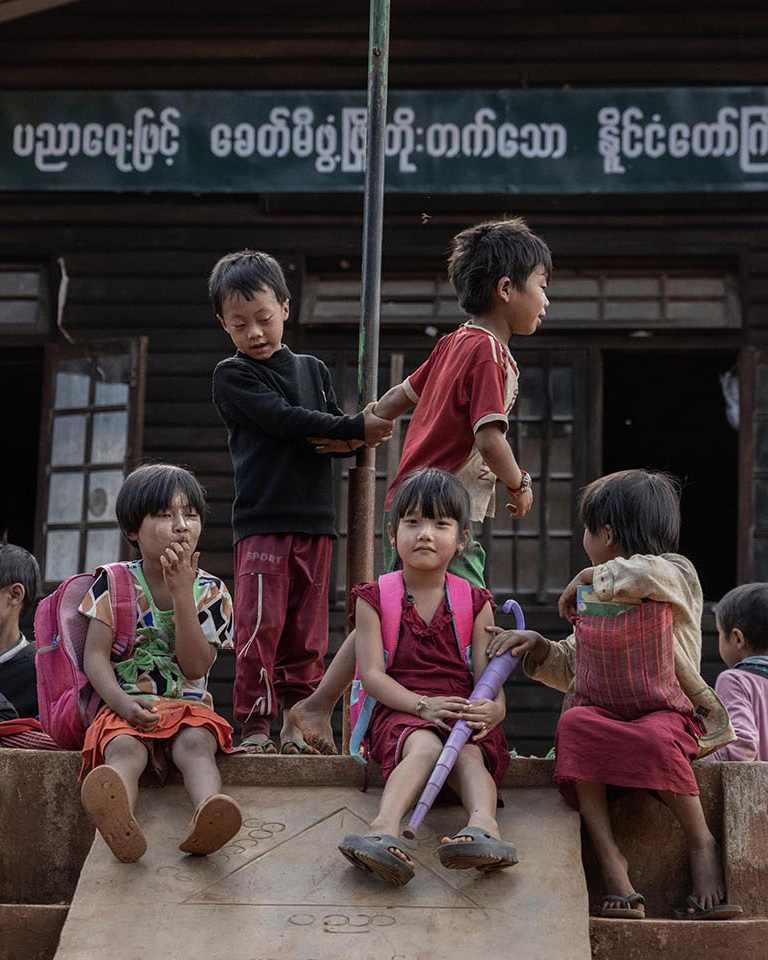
(679, 939)
(282, 890)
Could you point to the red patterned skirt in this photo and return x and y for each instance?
(652, 752)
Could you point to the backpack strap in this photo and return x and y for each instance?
(391, 593)
(458, 592)
(122, 596)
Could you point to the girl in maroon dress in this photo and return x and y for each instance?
(424, 690)
(636, 711)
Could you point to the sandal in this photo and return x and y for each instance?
(263, 745)
(216, 821)
(625, 912)
(722, 911)
(105, 800)
(484, 851)
(373, 855)
(292, 748)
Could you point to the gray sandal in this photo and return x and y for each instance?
(483, 851)
(627, 910)
(373, 855)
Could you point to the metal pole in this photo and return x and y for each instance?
(362, 477)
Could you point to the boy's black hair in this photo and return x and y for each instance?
(17, 565)
(436, 493)
(483, 254)
(151, 488)
(245, 273)
(641, 507)
(745, 608)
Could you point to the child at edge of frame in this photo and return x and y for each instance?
(156, 703)
(636, 710)
(742, 627)
(424, 688)
(461, 397)
(273, 402)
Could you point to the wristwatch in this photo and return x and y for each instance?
(525, 485)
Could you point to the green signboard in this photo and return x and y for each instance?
(467, 141)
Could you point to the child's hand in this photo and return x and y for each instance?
(520, 504)
(483, 715)
(376, 430)
(519, 643)
(179, 568)
(324, 445)
(566, 605)
(439, 709)
(144, 718)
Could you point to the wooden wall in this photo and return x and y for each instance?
(139, 265)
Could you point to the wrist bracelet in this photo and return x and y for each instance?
(525, 485)
(420, 706)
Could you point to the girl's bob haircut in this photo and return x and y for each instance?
(641, 508)
(434, 492)
(151, 488)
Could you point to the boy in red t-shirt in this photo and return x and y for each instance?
(462, 395)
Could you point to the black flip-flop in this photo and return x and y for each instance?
(373, 855)
(483, 851)
(261, 743)
(721, 911)
(625, 912)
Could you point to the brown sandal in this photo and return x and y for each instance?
(216, 821)
(105, 800)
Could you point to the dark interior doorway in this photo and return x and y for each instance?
(21, 380)
(665, 411)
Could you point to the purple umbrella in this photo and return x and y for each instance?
(492, 680)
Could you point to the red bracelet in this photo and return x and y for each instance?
(525, 485)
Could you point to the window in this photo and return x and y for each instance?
(23, 300)
(92, 417)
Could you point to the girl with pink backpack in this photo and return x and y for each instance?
(417, 679)
(156, 702)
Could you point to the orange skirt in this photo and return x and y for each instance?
(173, 716)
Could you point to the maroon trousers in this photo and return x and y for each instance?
(281, 623)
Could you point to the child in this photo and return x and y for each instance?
(272, 401)
(157, 705)
(742, 626)
(424, 690)
(19, 591)
(633, 710)
(462, 396)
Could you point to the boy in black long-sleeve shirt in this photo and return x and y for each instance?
(273, 401)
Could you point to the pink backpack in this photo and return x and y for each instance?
(391, 590)
(66, 700)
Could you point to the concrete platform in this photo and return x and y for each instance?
(282, 890)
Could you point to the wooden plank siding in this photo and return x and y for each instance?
(235, 44)
(138, 264)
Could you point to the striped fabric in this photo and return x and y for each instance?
(25, 734)
(626, 664)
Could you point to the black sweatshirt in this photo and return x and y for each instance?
(271, 407)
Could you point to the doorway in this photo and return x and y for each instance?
(665, 411)
(21, 379)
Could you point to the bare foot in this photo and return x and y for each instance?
(314, 723)
(617, 883)
(258, 745)
(291, 738)
(707, 875)
(484, 823)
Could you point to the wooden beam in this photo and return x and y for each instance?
(15, 9)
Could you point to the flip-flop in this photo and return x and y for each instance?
(722, 911)
(372, 854)
(483, 851)
(105, 800)
(262, 743)
(625, 912)
(292, 748)
(216, 821)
